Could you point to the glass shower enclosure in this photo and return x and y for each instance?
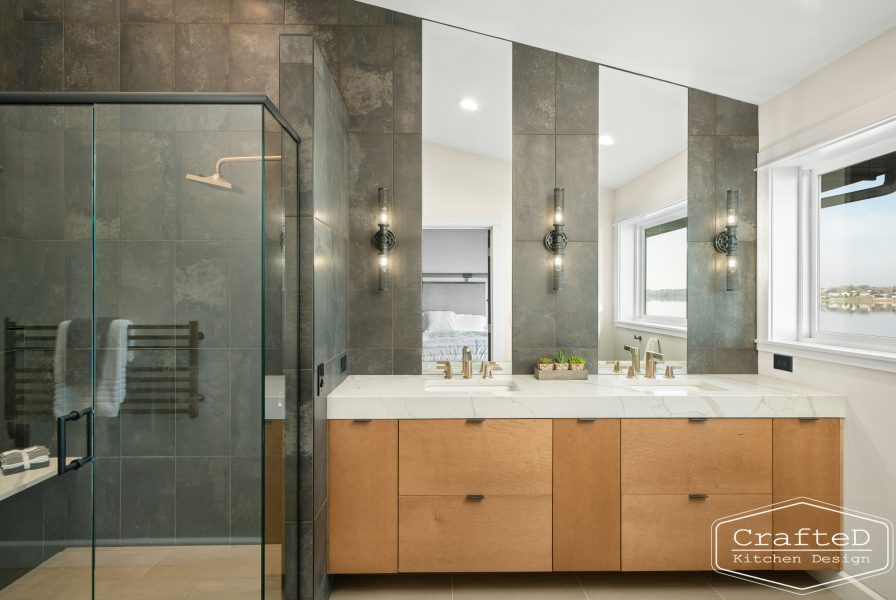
(142, 292)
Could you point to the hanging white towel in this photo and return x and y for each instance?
(111, 385)
(63, 397)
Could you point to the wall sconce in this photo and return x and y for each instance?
(726, 241)
(555, 239)
(384, 240)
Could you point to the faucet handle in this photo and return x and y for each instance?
(445, 366)
(488, 368)
(670, 372)
(631, 373)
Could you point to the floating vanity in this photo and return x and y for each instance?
(608, 474)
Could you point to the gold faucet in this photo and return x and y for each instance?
(488, 367)
(468, 363)
(636, 356)
(670, 372)
(652, 357)
(445, 365)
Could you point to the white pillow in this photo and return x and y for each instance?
(470, 322)
(438, 321)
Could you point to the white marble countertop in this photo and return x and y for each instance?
(601, 396)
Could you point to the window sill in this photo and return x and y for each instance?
(680, 331)
(877, 360)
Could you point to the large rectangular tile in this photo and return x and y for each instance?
(371, 167)
(735, 170)
(576, 95)
(534, 90)
(331, 263)
(393, 587)
(43, 51)
(147, 162)
(256, 11)
(408, 79)
(312, 12)
(42, 10)
(147, 500)
(92, 56)
(701, 188)
(331, 149)
(517, 586)
(202, 11)
(352, 12)
(701, 112)
(254, 59)
(203, 500)
(202, 57)
(201, 290)
(95, 11)
(201, 435)
(702, 290)
(147, 57)
(147, 11)
(366, 76)
(534, 164)
(671, 586)
(577, 304)
(577, 174)
(735, 117)
(374, 361)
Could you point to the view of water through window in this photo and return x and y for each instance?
(666, 270)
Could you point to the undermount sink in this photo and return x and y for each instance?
(470, 386)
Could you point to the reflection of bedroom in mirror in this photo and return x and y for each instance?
(643, 220)
(467, 143)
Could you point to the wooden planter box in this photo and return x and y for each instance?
(565, 375)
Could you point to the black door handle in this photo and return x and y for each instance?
(61, 422)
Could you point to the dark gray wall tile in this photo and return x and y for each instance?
(147, 282)
(91, 57)
(331, 262)
(93, 11)
(314, 12)
(363, 361)
(297, 105)
(534, 89)
(734, 117)
(205, 434)
(291, 301)
(331, 150)
(576, 95)
(322, 581)
(327, 39)
(147, 500)
(201, 289)
(202, 11)
(203, 500)
(306, 560)
(408, 80)
(577, 174)
(12, 44)
(701, 112)
(577, 316)
(152, 11)
(735, 360)
(371, 309)
(306, 292)
(406, 307)
(150, 433)
(701, 294)
(42, 10)
(202, 57)
(149, 173)
(256, 11)
(358, 13)
(365, 76)
(407, 193)
(254, 59)
(534, 164)
(735, 320)
(407, 361)
(735, 164)
(107, 494)
(306, 394)
(245, 500)
(147, 57)
(246, 404)
(43, 57)
(701, 188)
(296, 49)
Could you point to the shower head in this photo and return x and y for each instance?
(216, 180)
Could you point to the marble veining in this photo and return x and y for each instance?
(601, 396)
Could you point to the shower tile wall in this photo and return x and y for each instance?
(554, 145)
(310, 98)
(722, 146)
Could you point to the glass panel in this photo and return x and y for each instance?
(179, 331)
(665, 269)
(46, 306)
(856, 222)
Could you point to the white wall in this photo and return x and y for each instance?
(466, 190)
(664, 184)
(855, 91)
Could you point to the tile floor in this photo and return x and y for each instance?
(152, 573)
(572, 586)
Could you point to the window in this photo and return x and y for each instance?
(853, 295)
(651, 270)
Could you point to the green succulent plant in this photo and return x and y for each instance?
(576, 360)
(545, 360)
(561, 356)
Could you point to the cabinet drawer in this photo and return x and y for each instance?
(455, 534)
(679, 456)
(672, 532)
(457, 457)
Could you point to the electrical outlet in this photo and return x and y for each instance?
(783, 363)
(343, 363)
(320, 378)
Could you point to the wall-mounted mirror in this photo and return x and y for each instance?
(467, 143)
(642, 220)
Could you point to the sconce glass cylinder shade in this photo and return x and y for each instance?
(383, 240)
(555, 239)
(726, 241)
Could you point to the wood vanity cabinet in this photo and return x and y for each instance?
(363, 496)
(455, 495)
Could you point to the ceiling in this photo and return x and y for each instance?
(458, 64)
(647, 119)
(745, 49)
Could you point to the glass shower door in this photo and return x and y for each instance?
(46, 396)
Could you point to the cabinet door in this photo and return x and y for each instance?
(586, 495)
(681, 456)
(807, 464)
(450, 534)
(363, 496)
(673, 532)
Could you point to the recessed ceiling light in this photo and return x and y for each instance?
(469, 104)
(605, 140)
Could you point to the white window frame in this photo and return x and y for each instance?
(788, 245)
(630, 269)
(810, 207)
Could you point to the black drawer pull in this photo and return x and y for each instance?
(475, 419)
(808, 418)
(698, 419)
(698, 496)
(587, 419)
(475, 497)
(361, 420)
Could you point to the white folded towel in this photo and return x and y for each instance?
(111, 385)
(16, 461)
(64, 396)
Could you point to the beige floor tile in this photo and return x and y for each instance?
(731, 588)
(646, 586)
(392, 587)
(517, 586)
